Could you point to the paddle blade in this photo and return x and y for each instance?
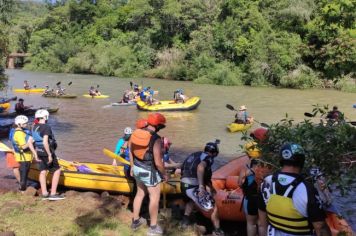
(112, 155)
(228, 106)
(69, 83)
(14, 98)
(58, 83)
(97, 86)
(307, 114)
(5, 148)
(131, 84)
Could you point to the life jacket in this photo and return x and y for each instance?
(190, 167)
(39, 141)
(241, 116)
(15, 145)
(250, 186)
(288, 220)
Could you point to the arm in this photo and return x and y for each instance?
(32, 148)
(200, 173)
(157, 155)
(118, 146)
(46, 147)
(242, 177)
(321, 228)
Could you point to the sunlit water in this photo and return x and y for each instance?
(84, 126)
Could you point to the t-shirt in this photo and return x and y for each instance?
(20, 140)
(305, 200)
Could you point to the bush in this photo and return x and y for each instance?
(301, 78)
(346, 83)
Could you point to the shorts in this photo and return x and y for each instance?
(10, 161)
(144, 176)
(251, 205)
(184, 187)
(52, 167)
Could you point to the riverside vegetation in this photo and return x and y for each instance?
(292, 44)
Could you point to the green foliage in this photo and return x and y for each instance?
(302, 77)
(330, 147)
(346, 84)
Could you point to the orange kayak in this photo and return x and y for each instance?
(229, 196)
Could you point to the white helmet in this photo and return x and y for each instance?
(42, 113)
(128, 130)
(20, 120)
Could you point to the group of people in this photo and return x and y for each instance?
(58, 91)
(36, 143)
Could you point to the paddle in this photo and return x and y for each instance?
(10, 99)
(69, 83)
(112, 155)
(228, 106)
(58, 83)
(307, 114)
(131, 84)
(5, 148)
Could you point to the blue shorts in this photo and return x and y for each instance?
(144, 176)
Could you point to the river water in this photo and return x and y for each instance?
(84, 126)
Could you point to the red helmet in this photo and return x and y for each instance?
(156, 119)
(166, 143)
(259, 134)
(141, 123)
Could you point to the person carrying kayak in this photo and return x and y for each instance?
(123, 150)
(167, 161)
(291, 205)
(45, 147)
(197, 187)
(94, 91)
(247, 182)
(242, 116)
(20, 107)
(148, 170)
(22, 143)
(26, 85)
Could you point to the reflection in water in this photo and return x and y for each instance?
(84, 126)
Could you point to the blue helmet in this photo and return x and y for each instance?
(292, 154)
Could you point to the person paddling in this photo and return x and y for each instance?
(20, 107)
(26, 85)
(94, 92)
(242, 116)
(335, 115)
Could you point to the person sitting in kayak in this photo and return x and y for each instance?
(48, 91)
(167, 161)
(179, 96)
(20, 107)
(123, 150)
(26, 85)
(60, 90)
(242, 116)
(197, 187)
(126, 98)
(94, 92)
(335, 115)
(143, 95)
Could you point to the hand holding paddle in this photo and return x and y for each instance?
(230, 107)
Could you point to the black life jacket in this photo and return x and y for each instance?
(190, 166)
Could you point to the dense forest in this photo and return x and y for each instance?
(285, 43)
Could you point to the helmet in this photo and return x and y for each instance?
(128, 130)
(141, 123)
(156, 119)
(20, 120)
(292, 154)
(42, 113)
(259, 134)
(212, 148)
(166, 143)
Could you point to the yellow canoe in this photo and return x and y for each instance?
(234, 127)
(34, 90)
(5, 106)
(101, 96)
(191, 104)
(102, 177)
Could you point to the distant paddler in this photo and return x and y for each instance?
(242, 116)
(20, 107)
(94, 91)
(26, 85)
(179, 96)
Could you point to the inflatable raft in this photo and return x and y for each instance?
(33, 90)
(99, 96)
(99, 177)
(234, 127)
(191, 104)
(28, 112)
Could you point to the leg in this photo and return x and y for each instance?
(55, 180)
(262, 223)
(140, 194)
(215, 218)
(251, 221)
(154, 193)
(43, 183)
(16, 171)
(24, 169)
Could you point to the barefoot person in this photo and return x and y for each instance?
(45, 147)
(148, 170)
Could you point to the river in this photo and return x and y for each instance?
(84, 126)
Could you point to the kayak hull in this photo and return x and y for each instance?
(103, 177)
(35, 90)
(89, 96)
(69, 96)
(29, 112)
(234, 127)
(123, 104)
(190, 104)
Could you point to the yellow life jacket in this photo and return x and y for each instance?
(281, 212)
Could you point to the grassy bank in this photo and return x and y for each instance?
(79, 214)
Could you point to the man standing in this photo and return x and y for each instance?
(290, 205)
(45, 147)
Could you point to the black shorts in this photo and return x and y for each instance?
(184, 187)
(251, 205)
(52, 167)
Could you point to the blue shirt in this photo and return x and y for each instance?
(125, 154)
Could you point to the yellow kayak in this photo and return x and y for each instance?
(34, 90)
(99, 177)
(5, 106)
(100, 96)
(234, 127)
(191, 104)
